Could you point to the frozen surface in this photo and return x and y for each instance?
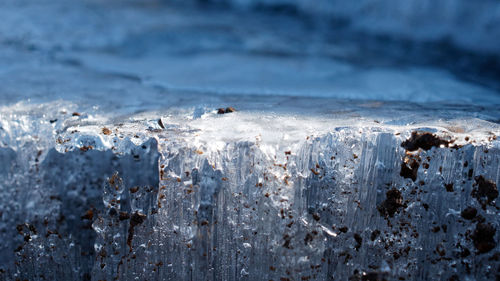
(115, 164)
(472, 25)
(245, 195)
(158, 47)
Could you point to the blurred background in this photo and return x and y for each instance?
(421, 51)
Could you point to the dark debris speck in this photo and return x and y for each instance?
(449, 187)
(136, 219)
(485, 191)
(359, 241)
(374, 234)
(469, 213)
(226, 110)
(424, 141)
(483, 237)
(392, 203)
(409, 168)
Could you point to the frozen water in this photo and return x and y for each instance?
(204, 51)
(115, 163)
(242, 195)
(468, 24)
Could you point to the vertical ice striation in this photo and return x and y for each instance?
(337, 153)
(192, 203)
(49, 208)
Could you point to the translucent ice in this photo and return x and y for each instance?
(142, 140)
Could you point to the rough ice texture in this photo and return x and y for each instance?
(115, 164)
(237, 196)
